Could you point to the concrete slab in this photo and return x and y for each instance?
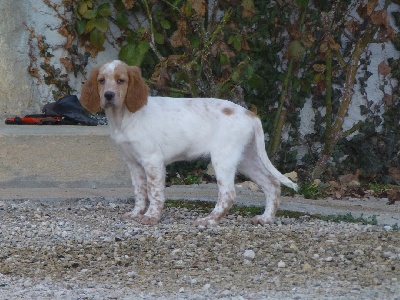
(33, 156)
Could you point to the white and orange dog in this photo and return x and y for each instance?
(152, 132)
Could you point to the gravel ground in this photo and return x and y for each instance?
(79, 249)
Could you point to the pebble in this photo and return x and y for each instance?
(281, 264)
(249, 254)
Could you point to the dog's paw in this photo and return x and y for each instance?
(262, 220)
(205, 222)
(147, 220)
(130, 216)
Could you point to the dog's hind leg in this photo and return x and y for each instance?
(225, 165)
(252, 167)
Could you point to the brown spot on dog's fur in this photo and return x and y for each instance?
(228, 111)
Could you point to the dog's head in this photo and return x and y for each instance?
(114, 85)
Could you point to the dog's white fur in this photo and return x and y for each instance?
(152, 132)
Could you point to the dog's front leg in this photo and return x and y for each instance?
(155, 193)
(139, 184)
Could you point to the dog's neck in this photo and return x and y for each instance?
(115, 116)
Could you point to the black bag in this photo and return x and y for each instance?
(71, 109)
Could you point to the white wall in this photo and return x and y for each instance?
(20, 93)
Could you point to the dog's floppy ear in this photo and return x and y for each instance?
(90, 98)
(138, 91)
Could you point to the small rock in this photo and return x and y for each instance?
(389, 255)
(359, 252)
(226, 293)
(249, 254)
(131, 274)
(307, 267)
(281, 264)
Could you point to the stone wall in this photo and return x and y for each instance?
(16, 84)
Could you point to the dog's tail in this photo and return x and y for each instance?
(260, 145)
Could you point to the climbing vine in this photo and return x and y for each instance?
(271, 56)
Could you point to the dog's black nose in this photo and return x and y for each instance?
(109, 95)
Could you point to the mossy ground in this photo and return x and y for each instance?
(249, 211)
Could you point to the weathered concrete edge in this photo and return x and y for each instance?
(385, 214)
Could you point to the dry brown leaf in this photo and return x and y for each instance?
(307, 40)
(248, 8)
(333, 45)
(347, 178)
(66, 61)
(178, 38)
(93, 51)
(384, 69)
(388, 100)
(128, 3)
(70, 40)
(34, 72)
(371, 6)
(245, 45)
(394, 173)
(380, 18)
(323, 47)
(199, 7)
(225, 50)
(351, 25)
(366, 9)
(319, 68)
(63, 31)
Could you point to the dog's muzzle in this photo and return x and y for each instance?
(109, 96)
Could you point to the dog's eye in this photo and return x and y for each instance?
(120, 81)
(102, 81)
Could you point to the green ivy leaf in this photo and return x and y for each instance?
(90, 14)
(235, 75)
(195, 42)
(127, 54)
(236, 42)
(122, 20)
(133, 55)
(165, 24)
(256, 82)
(302, 3)
(223, 59)
(101, 24)
(141, 30)
(97, 39)
(104, 10)
(143, 47)
(80, 27)
(82, 8)
(159, 38)
(90, 25)
(131, 37)
(119, 5)
(248, 71)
